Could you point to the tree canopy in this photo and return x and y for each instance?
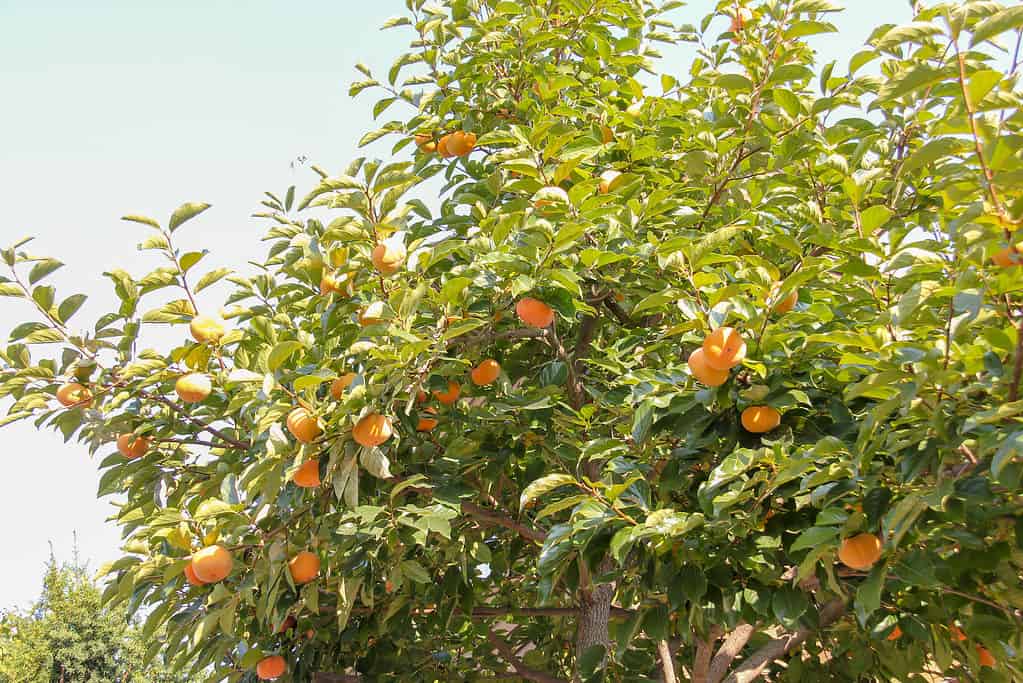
(684, 373)
(68, 636)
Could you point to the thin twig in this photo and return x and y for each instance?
(508, 654)
(195, 421)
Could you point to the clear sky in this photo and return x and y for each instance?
(112, 107)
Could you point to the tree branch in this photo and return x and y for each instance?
(195, 421)
(322, 677)
(756, 663)
(508, 655)
(734, 642)
(667, 662)
(496, 519)
(575, 393)
(704, 650)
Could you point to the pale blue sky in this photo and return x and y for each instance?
(108, 108)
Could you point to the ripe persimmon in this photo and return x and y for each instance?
(985, 657)
(460, 143)
(271, 668)
(304, 567)
(442, 146)
(307, 476)
(372, 314)
(388, 257)
(213, 563)
(75, 395)
(449, 396)
(372, 430)
(760, 419)
(193, 387)
(724, 348)
(303, 425)
(534, 312)
(787, 304)
(335, 284)
(338, 386)
(131, 446)
(191, 577)
(485, 373)
(607, 179)
(1010, 256)
(712, 377)
(895, 634)
(555, 195)
(860, 551)
(427, 424)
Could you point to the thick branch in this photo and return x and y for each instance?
(730, 649)
(508, 655)
(495, 519)
(667, 662)
(195, 421)
(704, 650)
(757, 663)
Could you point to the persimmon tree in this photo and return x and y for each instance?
(707, 373)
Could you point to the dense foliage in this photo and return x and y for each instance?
(597, 511)
(68, 636)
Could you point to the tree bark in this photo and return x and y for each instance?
(704, 650)
(508, 655)
(667, 662)
(757, 663)
(594, 611)
(730, 649)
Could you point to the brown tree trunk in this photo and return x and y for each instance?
(594, 613)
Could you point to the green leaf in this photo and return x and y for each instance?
(901, 519)
(212, 277)
(911, 80)
(991, 415)
(44, 296)
(184, 213)
(142, 219)
(43, 268)
(873, 218)
(788, 605)
(1006, 20)
(280, 353)
(914, 32)
(190, 259)
(815, 536)
(69, 306)
(734, 82)
(691, 582)
(868, 595)
(544, 485)
(926, 156)
(1007, 452)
